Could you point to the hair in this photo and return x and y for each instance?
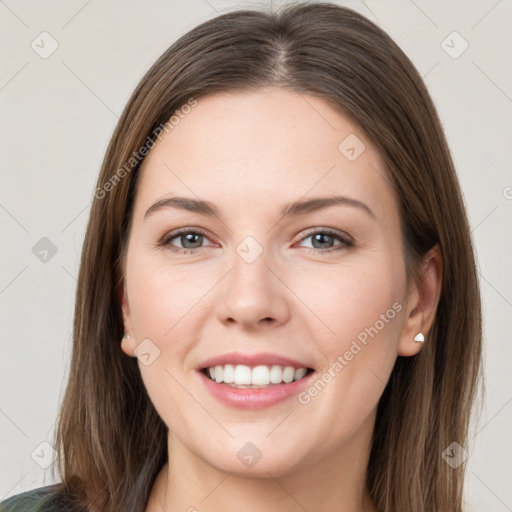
(110, 441)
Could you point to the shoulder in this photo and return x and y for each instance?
(42, 499)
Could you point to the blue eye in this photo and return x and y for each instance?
(326, 236)
(191, 240)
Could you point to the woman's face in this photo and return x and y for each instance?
(277, 277)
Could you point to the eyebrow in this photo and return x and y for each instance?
(293, 209)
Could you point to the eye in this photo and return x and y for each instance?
(190, 240)
(324, 238)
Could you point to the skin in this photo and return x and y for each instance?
(249, 154)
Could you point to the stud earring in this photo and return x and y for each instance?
(419, 338)
(126, 335)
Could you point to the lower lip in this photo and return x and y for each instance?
(250, 398)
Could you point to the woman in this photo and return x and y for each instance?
(277, 306)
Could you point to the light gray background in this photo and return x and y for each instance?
(57, 116)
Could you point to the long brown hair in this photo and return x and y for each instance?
(110, 441)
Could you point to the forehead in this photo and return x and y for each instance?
(255, 147)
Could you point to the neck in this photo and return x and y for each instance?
(333, 484)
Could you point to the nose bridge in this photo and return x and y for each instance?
(251, 264)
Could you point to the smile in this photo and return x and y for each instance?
(261, 376)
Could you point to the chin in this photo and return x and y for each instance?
(255, 460)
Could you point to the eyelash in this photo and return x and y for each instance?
(166, 240)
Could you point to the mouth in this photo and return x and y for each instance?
(254, 381)
(243, 376)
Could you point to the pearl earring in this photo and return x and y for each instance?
(126, 335)
(419, 338)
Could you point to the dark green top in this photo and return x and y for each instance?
(42, 499)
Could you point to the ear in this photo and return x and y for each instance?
(421, 303)
(128, 345)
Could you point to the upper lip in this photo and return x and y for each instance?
(262, 358)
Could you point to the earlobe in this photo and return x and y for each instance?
(128, 345)
(422, 304)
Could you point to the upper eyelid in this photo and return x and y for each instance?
(171, 235)
(330, 231)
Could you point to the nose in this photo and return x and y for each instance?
(253, 294)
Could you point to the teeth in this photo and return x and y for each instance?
(229, 374)
(276, 375)
(241, 375)
(288, 374)
(301, 372)
(260, 376)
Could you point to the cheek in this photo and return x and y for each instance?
(161, 297)
(356, 310)
(162, 307)
(363, 312)
(361, 306)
